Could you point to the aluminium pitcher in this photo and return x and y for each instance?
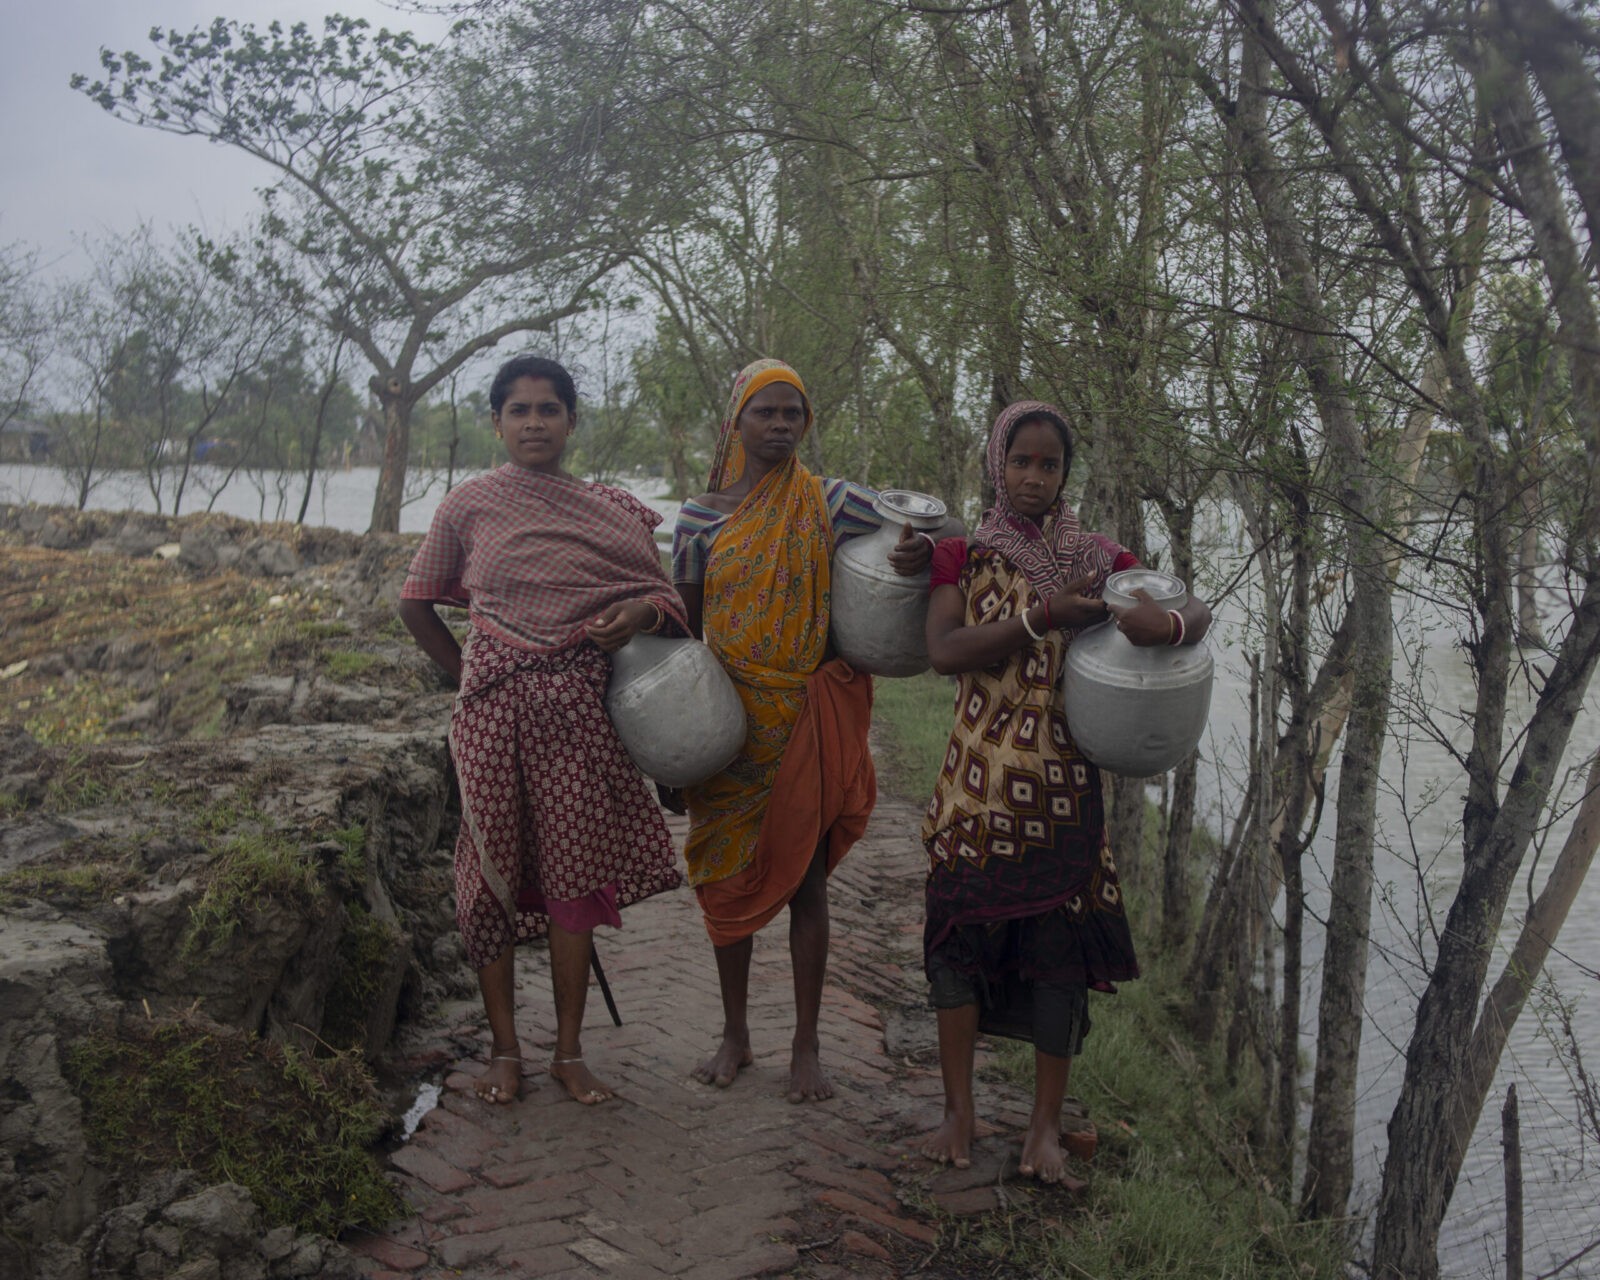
(1136, 710)
(880, 619)
(675, 709)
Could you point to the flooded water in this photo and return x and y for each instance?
(1418, 868)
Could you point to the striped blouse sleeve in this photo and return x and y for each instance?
(691, 543)
(850, 509)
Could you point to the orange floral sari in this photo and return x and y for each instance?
(766, 609)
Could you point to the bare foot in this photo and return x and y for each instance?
(951, 1142)
(1042, 1158)
(502, 1082)
(720, 1068)
(807, 1083)
(580, 1083)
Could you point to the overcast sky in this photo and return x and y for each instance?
(68, 169)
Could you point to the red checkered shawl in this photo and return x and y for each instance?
(536, 558)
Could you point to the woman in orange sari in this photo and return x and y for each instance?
(751, 561)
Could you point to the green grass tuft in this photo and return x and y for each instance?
(345, 664)
(67, 887)
(915, 716)
(250, 867)
(291, 1129)
(366, 948)
(352, 842)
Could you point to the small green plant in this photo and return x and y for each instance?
(352, 842)
(252, 866)
(66, 886)
(366, 950)
(81, 783)
(224, 814)
(346, 664)
(292, 1129)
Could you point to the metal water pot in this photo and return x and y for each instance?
(1136, 710)
(675, 709)
(879, 619)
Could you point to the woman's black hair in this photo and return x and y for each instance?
(532, 367)
(1061, 429)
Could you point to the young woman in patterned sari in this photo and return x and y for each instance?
(751, 560)
(557, 828)
(1024, 913)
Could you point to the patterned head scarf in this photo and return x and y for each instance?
(1056, 550)
(727, 464)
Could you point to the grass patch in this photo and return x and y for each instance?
(250, 867)
(1173, 1193)
(352, 842)
(292, 1129)
(347, 664)
(82, 781)
(67, 887)
(366, 948)
(202, 639)
(76, 712)
(916, 715)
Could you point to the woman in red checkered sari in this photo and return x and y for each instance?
(557, 828)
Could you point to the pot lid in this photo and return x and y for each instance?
(1166, 590)
(920, 510)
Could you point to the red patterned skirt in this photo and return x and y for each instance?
(555, 817)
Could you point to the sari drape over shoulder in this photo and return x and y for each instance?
(535, 558)
(804, 770)
(556, 821)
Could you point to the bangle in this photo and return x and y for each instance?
(932, 545)
(660, 618)
(1176, 637)
(1028, 626)
(1048, 625)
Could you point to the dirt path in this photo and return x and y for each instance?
(676, 1178)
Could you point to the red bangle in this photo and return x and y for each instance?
(1177, 626)
(1048, 625)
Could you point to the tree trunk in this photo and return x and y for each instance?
(1529, 629)
(395, 396)
(1446, 1058)
(1450, 1065)
(1331, 1141)
(1511, 1144)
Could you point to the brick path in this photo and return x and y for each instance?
(676, 1178)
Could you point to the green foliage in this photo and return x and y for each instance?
(352, 842)
(292, 1129)
(1174, 1191)
(250, 867)
(366, 950)
(67, 887)
(82, 781)
(916, 716)
(347, 664)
